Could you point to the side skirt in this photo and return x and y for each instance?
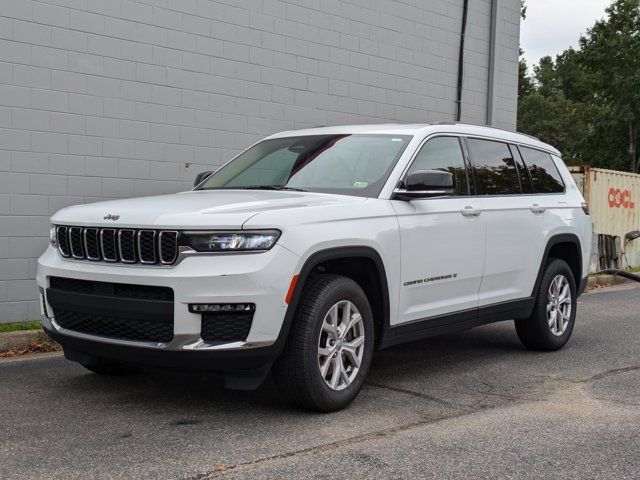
(455, 322)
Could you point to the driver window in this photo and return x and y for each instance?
(443, 153)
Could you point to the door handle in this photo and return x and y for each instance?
(537, 209)
(470, 212)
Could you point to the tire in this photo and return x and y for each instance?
(112, 369)
(548, 331)
(297, 372)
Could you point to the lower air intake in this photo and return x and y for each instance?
(112, 327)
(226, 327)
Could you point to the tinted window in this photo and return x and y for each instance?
(525, 181)
(544, 173)
(444, 153)
(493, 167)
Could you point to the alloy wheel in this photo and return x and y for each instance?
(341, 345)
(559, 305)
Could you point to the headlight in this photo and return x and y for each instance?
(258, 240)
(53, 235)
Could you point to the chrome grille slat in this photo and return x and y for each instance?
(91, 248)
(75, 242)
(126, 245)
(62, 234)
(147, 246)
(113, 245)
(168, 243)
(108, 244)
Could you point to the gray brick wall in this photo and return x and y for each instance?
(116, 98)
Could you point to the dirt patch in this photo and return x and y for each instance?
(36, 347)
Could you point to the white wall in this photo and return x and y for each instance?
(116, 98)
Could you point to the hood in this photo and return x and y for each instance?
(195, 209)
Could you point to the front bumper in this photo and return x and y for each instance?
(241, 361)
(262, 279)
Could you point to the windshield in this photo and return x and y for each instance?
(345, 164)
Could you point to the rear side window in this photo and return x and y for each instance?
(544, 173)
(494, 168)
(444, 153)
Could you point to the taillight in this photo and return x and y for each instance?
(585, 208)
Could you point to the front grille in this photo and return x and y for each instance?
(125, 245)
(72, 285)
(114, 327)
(226, 327)
(108, 321)
(121, 290)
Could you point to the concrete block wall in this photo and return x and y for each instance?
(505, 111)
(105, 99)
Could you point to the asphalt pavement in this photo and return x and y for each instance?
(474, 404)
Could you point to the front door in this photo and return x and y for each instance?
(442, 241)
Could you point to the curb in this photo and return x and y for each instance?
(20, 339)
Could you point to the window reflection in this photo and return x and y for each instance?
(494, 168)
(544, 173)
(444, 153)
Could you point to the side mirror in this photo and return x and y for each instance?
(426, 184)
(201, 177)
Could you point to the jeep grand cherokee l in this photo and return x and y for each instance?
(312, 249)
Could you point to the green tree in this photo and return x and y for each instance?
(525, 83)
(545, 77)
(565, 76)
(611, 53)
(551, 106)
(557, 121)
(572, 79)
(586, 101)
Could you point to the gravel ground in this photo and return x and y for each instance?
(472, 404)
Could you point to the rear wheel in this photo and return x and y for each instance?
(550, 325)
(330, 346)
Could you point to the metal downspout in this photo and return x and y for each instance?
(463, 32)
(493, 43)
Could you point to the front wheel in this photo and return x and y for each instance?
(330, 346)
(550, 325)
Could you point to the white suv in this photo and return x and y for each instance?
(312, 249)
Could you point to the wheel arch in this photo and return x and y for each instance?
(567, 247)
(341, 260)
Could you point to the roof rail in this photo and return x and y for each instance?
(530, 136)
(487, 126)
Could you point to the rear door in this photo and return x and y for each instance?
(442, 240)
(513, 218)
(553, 210)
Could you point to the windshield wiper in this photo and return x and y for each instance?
(272, 187)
